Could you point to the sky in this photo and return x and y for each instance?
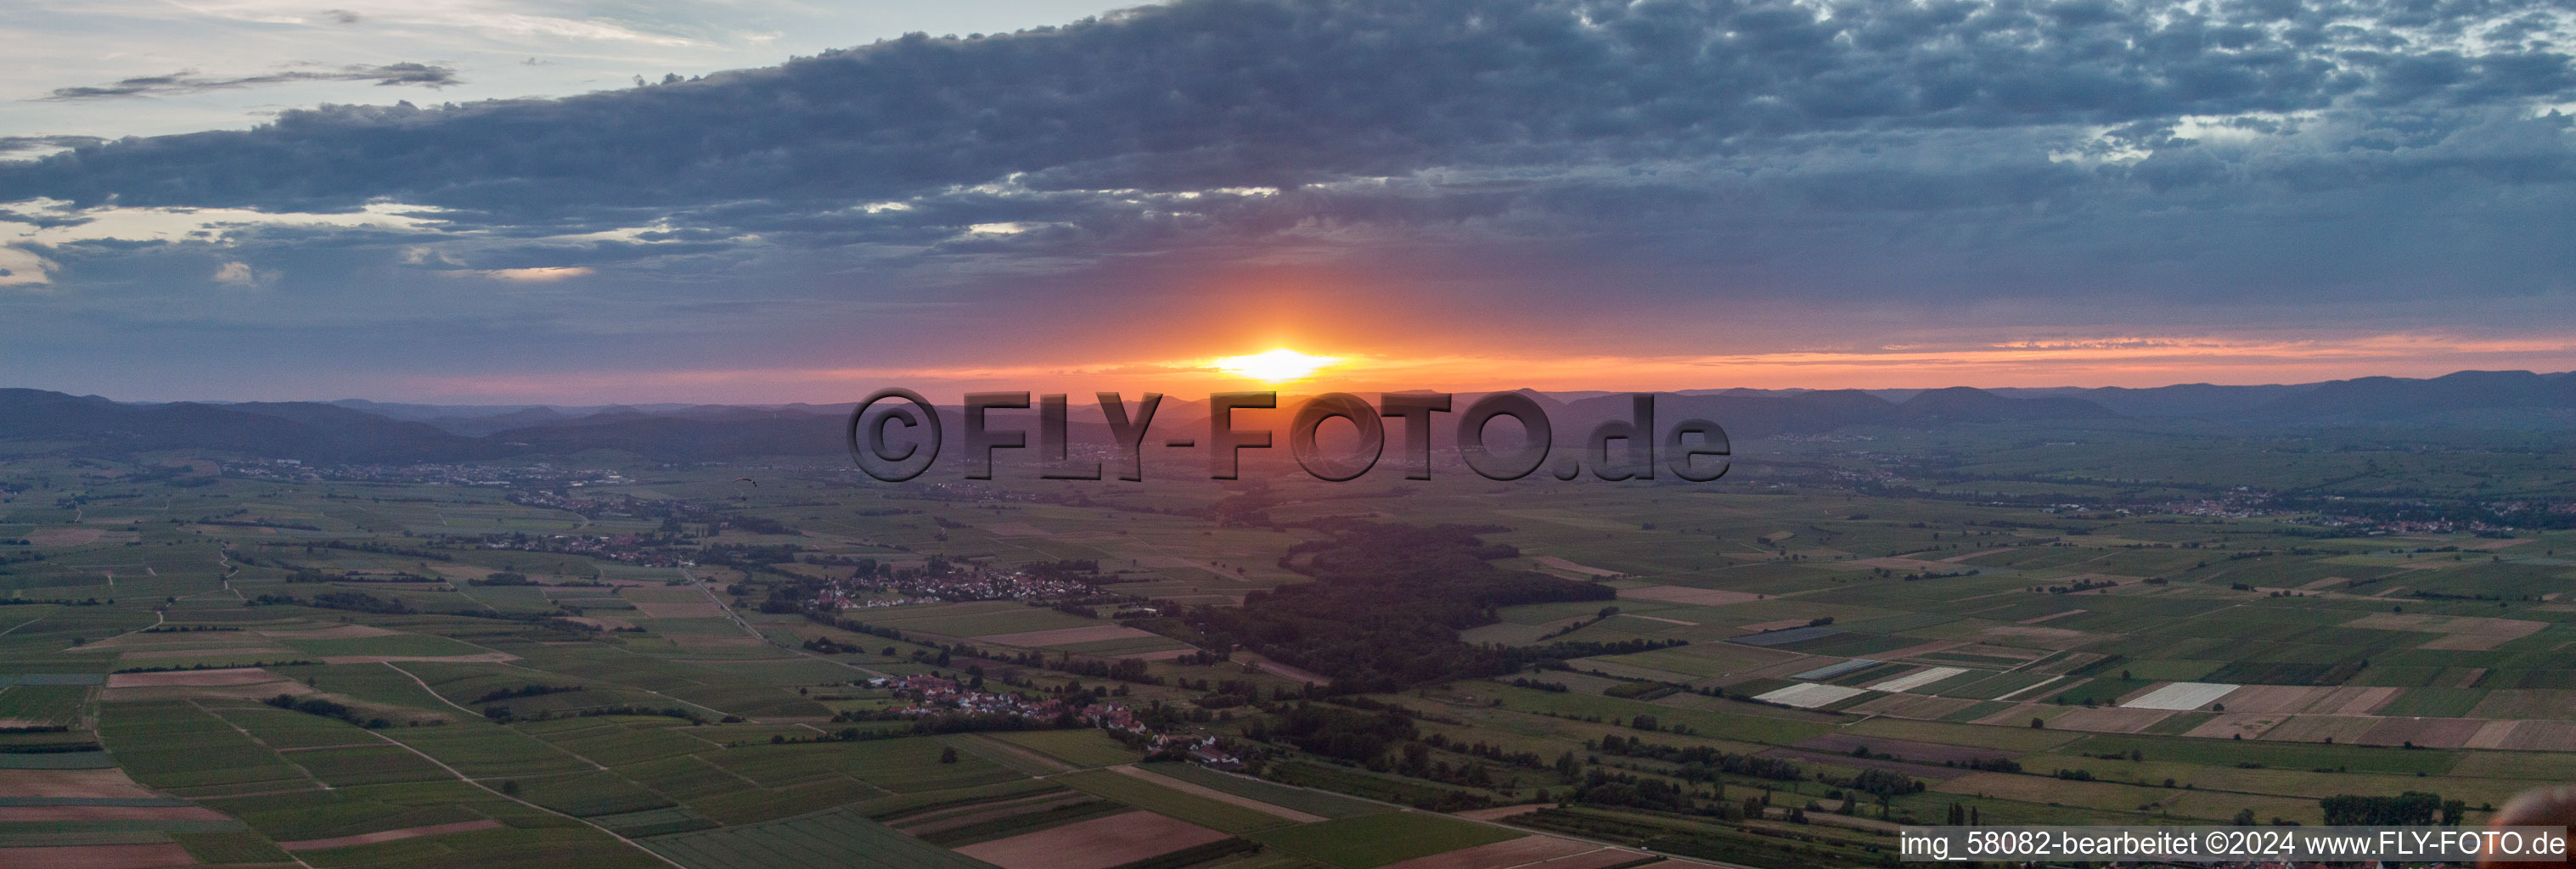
(761, 201)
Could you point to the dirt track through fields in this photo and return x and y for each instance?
(1217, 795)
(390, 835)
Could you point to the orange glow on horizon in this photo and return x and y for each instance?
(2130, 361)
(1277, 365)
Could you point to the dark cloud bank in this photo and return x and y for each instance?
(188, 81)
(2363, 149)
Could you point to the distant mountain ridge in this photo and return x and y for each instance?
(365, 431)
(2363, 400)
(318, 432)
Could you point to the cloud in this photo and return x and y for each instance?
(1251, 93)
(533, 275)
(23, 147)
(188, 81)
(1669, 171)
(239, 274)
(20, 267)
(55, 223)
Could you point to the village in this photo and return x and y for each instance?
(936, 695)
(635, 549)
(915, 583)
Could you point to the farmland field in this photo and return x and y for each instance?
(1780, 641)
(1145, 794)
(827, 839)
(1311, 802)
(1079, 747)
(1368, 841)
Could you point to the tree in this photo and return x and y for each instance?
(2410, 809)
(2037, 723)
(2245, 818)
(948, 755)
(510, 787)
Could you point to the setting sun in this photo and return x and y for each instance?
(1274, 366)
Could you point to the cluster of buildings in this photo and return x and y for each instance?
(2240, 504)
(539, 475)
(622, 548)
(2561, 508)
(833, 598)
(595, 504)
(980, 584)
(965, 583)
(939, 694)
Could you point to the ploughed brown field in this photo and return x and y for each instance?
(2427, 732)
(1094, 844)
(2109, 719)
(19, 814)
(98, 857)
(83, 783)
(2528, 735)
(1523, 851)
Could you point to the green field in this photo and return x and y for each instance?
(1084, 748)
(721, 748)
(481, 750)
(350, 767)
(1145, 794)
(827, 839)
(584, 794)
(1368, 841)
(43, 704)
